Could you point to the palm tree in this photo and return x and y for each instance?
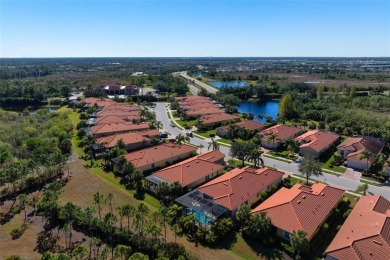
(181, 139)
(199, 123)
(159, 125)
(254, 156)
(232, 131)
(271, 139)
(213, 144)
(120, 144)
(363, 188)
(292, 146)
(201, 146)
(365, 154)
(308, 167)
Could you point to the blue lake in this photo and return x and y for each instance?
(219, 84)
(266, 108)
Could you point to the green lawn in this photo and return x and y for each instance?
(328, 165)
(277, 158)
(206, 134)
(283, 153)
(224, 141)
(188, 123)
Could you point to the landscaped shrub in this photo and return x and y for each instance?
(288, 249)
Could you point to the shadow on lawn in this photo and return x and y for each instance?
(267, 253)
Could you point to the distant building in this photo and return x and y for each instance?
(119, 89)
(315, 142)
(300, 208)
(365, 234)
(355, 145)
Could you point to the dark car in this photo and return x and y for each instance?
(172, 124)
(189, 134)
(163, 135)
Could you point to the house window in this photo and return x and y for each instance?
(286, 235)
(207, 178)
(153, 165)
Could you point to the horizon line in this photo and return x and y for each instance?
(186, 57)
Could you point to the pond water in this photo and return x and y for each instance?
(266, 108)
(219, 84)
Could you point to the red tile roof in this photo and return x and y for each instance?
(283, 132)
(234, 188)
(204, 111)
(306, 207)
(122, 106)
(212, 156)
(157, 153)
(190, 170)
(218, 118)
(110, 120)
(317, 140)
(251, 125)
(122, 113)
(357, 144)
(197, 105)
(118, 127)
(128, 138)
(366, 232)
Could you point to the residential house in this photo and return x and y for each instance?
(122, 106)
(315, 142)
(191, 98)
(132, 140)
(130, 115)
(250, 125)
(283, 133)
(217, 119)
(107, 120)
(300, 208)
(99, 103)
(223, 195)
(355, 145)
(189, 173)
(203, 111)
(365, 234)
(115, 128)
(160, 156)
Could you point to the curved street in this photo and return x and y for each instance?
(289, 168)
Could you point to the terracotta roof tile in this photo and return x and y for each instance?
(283, 132)
(190, 170)
(204, 111)
(118, 127)
(157, 153)
(251, 125)
(317, 140)
(217, 118)
(234, 188)
(366, 232)
(306, 208)
(117, 112)
(357, 144)
(128, 138)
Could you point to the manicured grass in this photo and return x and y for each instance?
(188, 123)
(169, 115)
(283, 153)
(206, 134)
(224, 141)
(328, 165)
(276, 158)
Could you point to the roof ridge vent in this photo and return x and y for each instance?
(187, 165)
(298, 201)
(225, 184)
(377, 242)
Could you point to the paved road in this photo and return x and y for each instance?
(193, 89)
(333, 180)
(199, 83)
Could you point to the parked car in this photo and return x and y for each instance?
(299, 160)
(189, 134)
(212, 135)
(172, 124)
(163, 135)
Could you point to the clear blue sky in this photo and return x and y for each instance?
(120, 28)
